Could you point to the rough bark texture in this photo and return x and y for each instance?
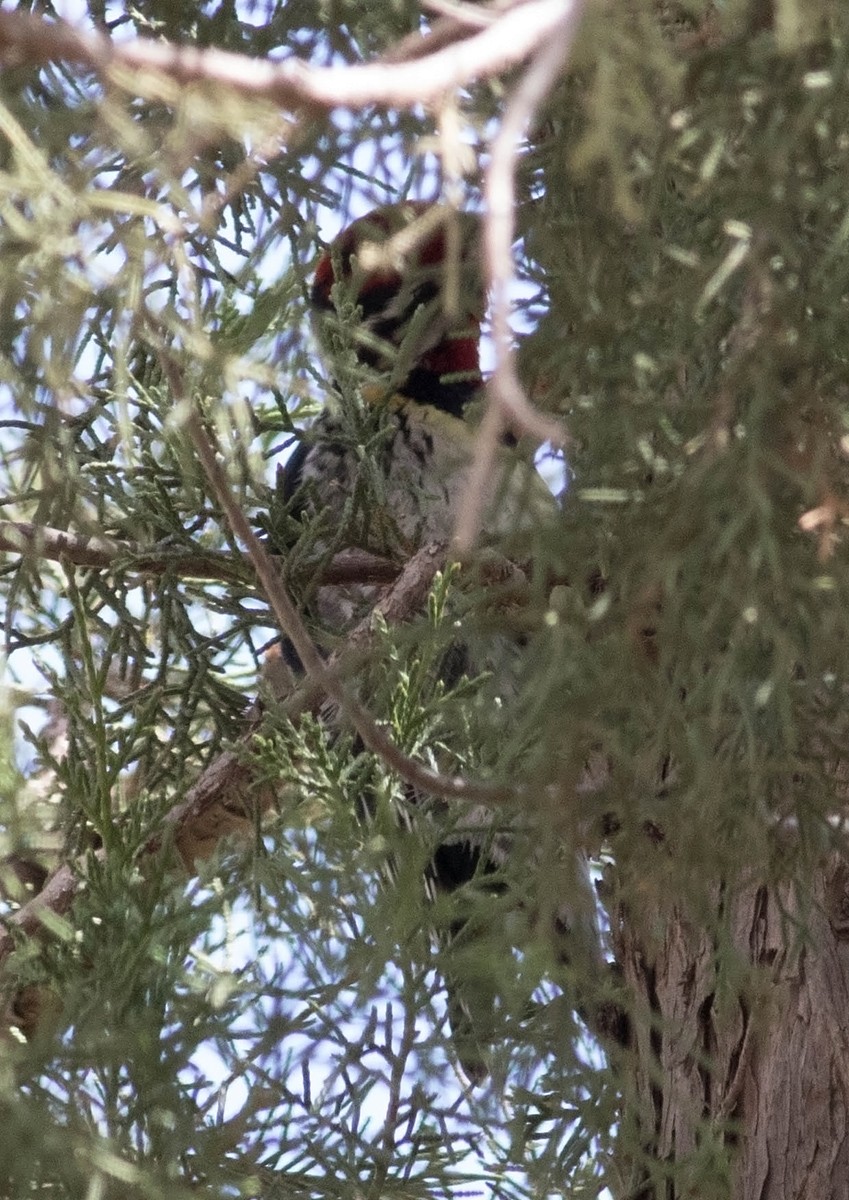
(741, 1045)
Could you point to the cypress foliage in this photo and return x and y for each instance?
(242, 995)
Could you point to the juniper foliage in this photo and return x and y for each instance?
(274, 1023)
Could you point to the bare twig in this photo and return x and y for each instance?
(456, 20)
(23, 537)
(27, 39)
(57, 545)
(471, 509)
(358, 566)
(508, 404)
(393, 1103)
(475, 16)
(499, 225)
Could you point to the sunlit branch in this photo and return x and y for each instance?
(508, 40)
(509, 406)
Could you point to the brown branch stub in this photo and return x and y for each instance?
(824, 521)
(56, 897)
(24, 537)
(29, 40)
(225, 800)
(358, 566)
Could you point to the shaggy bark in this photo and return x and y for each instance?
(741, 1044)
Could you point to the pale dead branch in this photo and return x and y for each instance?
(55, 898)
(508, 40)
(509, 407)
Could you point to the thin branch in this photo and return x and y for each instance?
(358, 566)
(28, 40)
(57, 545)
(471, 509)
(475, 16)
(508, 406)
(23, 537)
(389, 1135)
(499, 226)
(456, 20)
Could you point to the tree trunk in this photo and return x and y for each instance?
(740, 1068)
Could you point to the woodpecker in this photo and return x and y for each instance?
(380, 303)
(426, 374)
